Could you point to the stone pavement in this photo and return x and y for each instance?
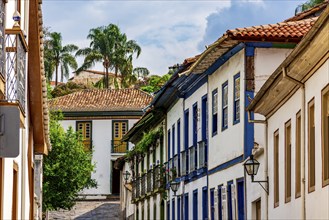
(89, 210)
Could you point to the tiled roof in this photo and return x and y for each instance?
(285, 32)
(98, 72)
(290, 30)
(102, 100)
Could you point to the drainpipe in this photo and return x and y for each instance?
(266, 155)
(303, 147)
(303, 151)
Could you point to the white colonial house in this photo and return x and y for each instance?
(295, 103)
(207, 133)
(102, 116)
(23, 110)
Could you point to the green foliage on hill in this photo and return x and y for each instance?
(67, 169)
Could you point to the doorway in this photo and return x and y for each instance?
(115, 180)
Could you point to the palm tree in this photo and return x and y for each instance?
(59, 56)
(111, 47)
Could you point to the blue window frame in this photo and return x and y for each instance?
(195, 124)
(214, 112)
(178, 208)
(173, 140)
(229, 201)
(169, 144)
(204, 131)
(195, 133)
(236, 101)
(186, 137)
(204, 203)
(173, 209)
(220, 211)
(178, 145)
(225, 105)
(240, 195)
(212, 203)
(195, 204)
(186, 211)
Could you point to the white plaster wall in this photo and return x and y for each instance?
(102, 157)
(266, 61)
(227, 144)
(316, 202)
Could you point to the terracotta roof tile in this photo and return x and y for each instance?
(102, 100)
(292, 30)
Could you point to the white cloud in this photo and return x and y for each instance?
(168, 31)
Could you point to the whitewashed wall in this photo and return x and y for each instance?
(23, 195)
(317, 201)
(101, 137)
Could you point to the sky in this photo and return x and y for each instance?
(167, 31)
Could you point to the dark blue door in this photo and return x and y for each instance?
(186, 206)
(212, 204)
(168, 210)
(173, 209)
(229, 200)
(205, 203)
(220, 211)
(195, 204)
(240, 188)
(178, 208)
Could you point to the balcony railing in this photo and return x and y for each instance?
(143, 184)
(149, 181)
(183, 167)
(133, 191)
(202, 154)
(157, 177)
(119, 146)
(192, 158)
(2, 42)
(138, 183)
(176, 163)
(16, 49)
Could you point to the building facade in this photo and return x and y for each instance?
(24, 115)
(295, 104)
(208, 134)
(102, 117)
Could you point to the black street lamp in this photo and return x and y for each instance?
(251, 167)
(174, 185)
(126, 175)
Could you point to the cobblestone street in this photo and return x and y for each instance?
(90, 210)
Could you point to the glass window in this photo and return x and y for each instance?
(214, 111)
(311, 147)
(236, 98)
(225, 105)
(276, 169)
(325, 136)
(298, 155)
(288, 162)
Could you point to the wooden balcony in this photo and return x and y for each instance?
(118, 146)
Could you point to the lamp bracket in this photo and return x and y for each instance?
(261, 181)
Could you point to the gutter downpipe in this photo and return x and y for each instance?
(303, 133)
(266, 156)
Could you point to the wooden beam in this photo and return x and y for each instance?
(35, 80)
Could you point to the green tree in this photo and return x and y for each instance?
(309, 4)
(58, 57)
(154, 83)
(67, 168)
(67, 88)
(111, 47)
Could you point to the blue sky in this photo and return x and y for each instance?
(168, 31)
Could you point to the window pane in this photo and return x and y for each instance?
(311, 147)
(298, 155)
(325, 136)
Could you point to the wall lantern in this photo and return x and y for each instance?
(126, 175)
(174, 185)
(251, 167)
